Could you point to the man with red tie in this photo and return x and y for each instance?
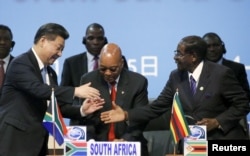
(77, 65)
(125, 87)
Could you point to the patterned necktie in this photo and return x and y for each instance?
(111, 134)
(192, 85)
(1, 73)
(95, 62)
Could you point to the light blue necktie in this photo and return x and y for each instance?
(44, 72)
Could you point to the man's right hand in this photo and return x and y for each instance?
(87, 92)
(117, 114)
(91, 105)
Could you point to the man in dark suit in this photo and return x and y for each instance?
(24, 96)
(219, 102)
(215, 51)
(131, 92)
(6, 46)
(77, 65)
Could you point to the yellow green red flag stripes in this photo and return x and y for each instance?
(178, 124)
(195, 148)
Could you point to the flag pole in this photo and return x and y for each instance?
(54, 142)
(178, 124)
(174, 149)
(53, 121)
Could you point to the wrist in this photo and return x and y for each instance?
(125, 115)
(82, 112)
(76, 92)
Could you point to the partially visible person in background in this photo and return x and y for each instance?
(215, 52)
(25, 95)
(129, 90)
(6, 46)
(77, 65)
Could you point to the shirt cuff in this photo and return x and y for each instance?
(82, 112)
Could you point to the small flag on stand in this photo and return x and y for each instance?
(178, 124)
(53, 121)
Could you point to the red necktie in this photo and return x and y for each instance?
(95, 62)
(1, 73)
(111, 135)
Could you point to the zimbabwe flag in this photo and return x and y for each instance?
(178, 124)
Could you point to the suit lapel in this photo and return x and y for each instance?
(105, 93)
(35, 64)
(122, 88)
(203, 82)
(185, 91)
(84, 64)
(52, 76)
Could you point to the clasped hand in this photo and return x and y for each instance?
(211, 123)
(115, 115)
(91, 105)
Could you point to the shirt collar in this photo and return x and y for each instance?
(220, 61)
(117, 81)
(90, 56)
(6, 59)
(40, 63)
(197, 72)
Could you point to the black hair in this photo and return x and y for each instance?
(51, 31)
(4, 27)
(195, 44)
(95, 25)
(98, 26)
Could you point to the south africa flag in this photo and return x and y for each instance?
(75, 148)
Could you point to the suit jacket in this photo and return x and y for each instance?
(240, 73)
(73, 68)
(23, 106)
(131, 93)
(218, 95)
(11, 58)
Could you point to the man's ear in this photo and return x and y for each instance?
(13, 44)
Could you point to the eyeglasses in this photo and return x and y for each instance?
(111, 69)
(177, 53)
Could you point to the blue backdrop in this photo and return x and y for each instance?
(147, 30)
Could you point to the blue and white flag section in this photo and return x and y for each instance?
(113, 148)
